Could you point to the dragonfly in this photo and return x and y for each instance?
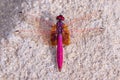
(60, 35)
(57, 34)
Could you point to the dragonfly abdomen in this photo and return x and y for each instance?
(59, 51)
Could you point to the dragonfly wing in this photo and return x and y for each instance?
(40, 28)
(84, 33)
(66, 35)
(53, 35)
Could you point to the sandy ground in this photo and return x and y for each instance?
(25, 52)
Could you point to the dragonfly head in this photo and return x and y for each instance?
(60, 18)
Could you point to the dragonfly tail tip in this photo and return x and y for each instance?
(60, 69)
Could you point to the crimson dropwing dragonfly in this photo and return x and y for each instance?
(60, 34)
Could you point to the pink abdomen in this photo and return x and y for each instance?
(59, 52)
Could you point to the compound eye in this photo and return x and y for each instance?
(60, 17)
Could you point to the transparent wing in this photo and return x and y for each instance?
(84, 19)
(85, 33)
(40, 28)
(78, 30)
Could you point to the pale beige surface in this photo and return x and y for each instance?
(93, 54)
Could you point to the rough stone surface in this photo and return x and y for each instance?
(25, 52)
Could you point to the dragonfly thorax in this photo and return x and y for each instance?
(59, 27)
